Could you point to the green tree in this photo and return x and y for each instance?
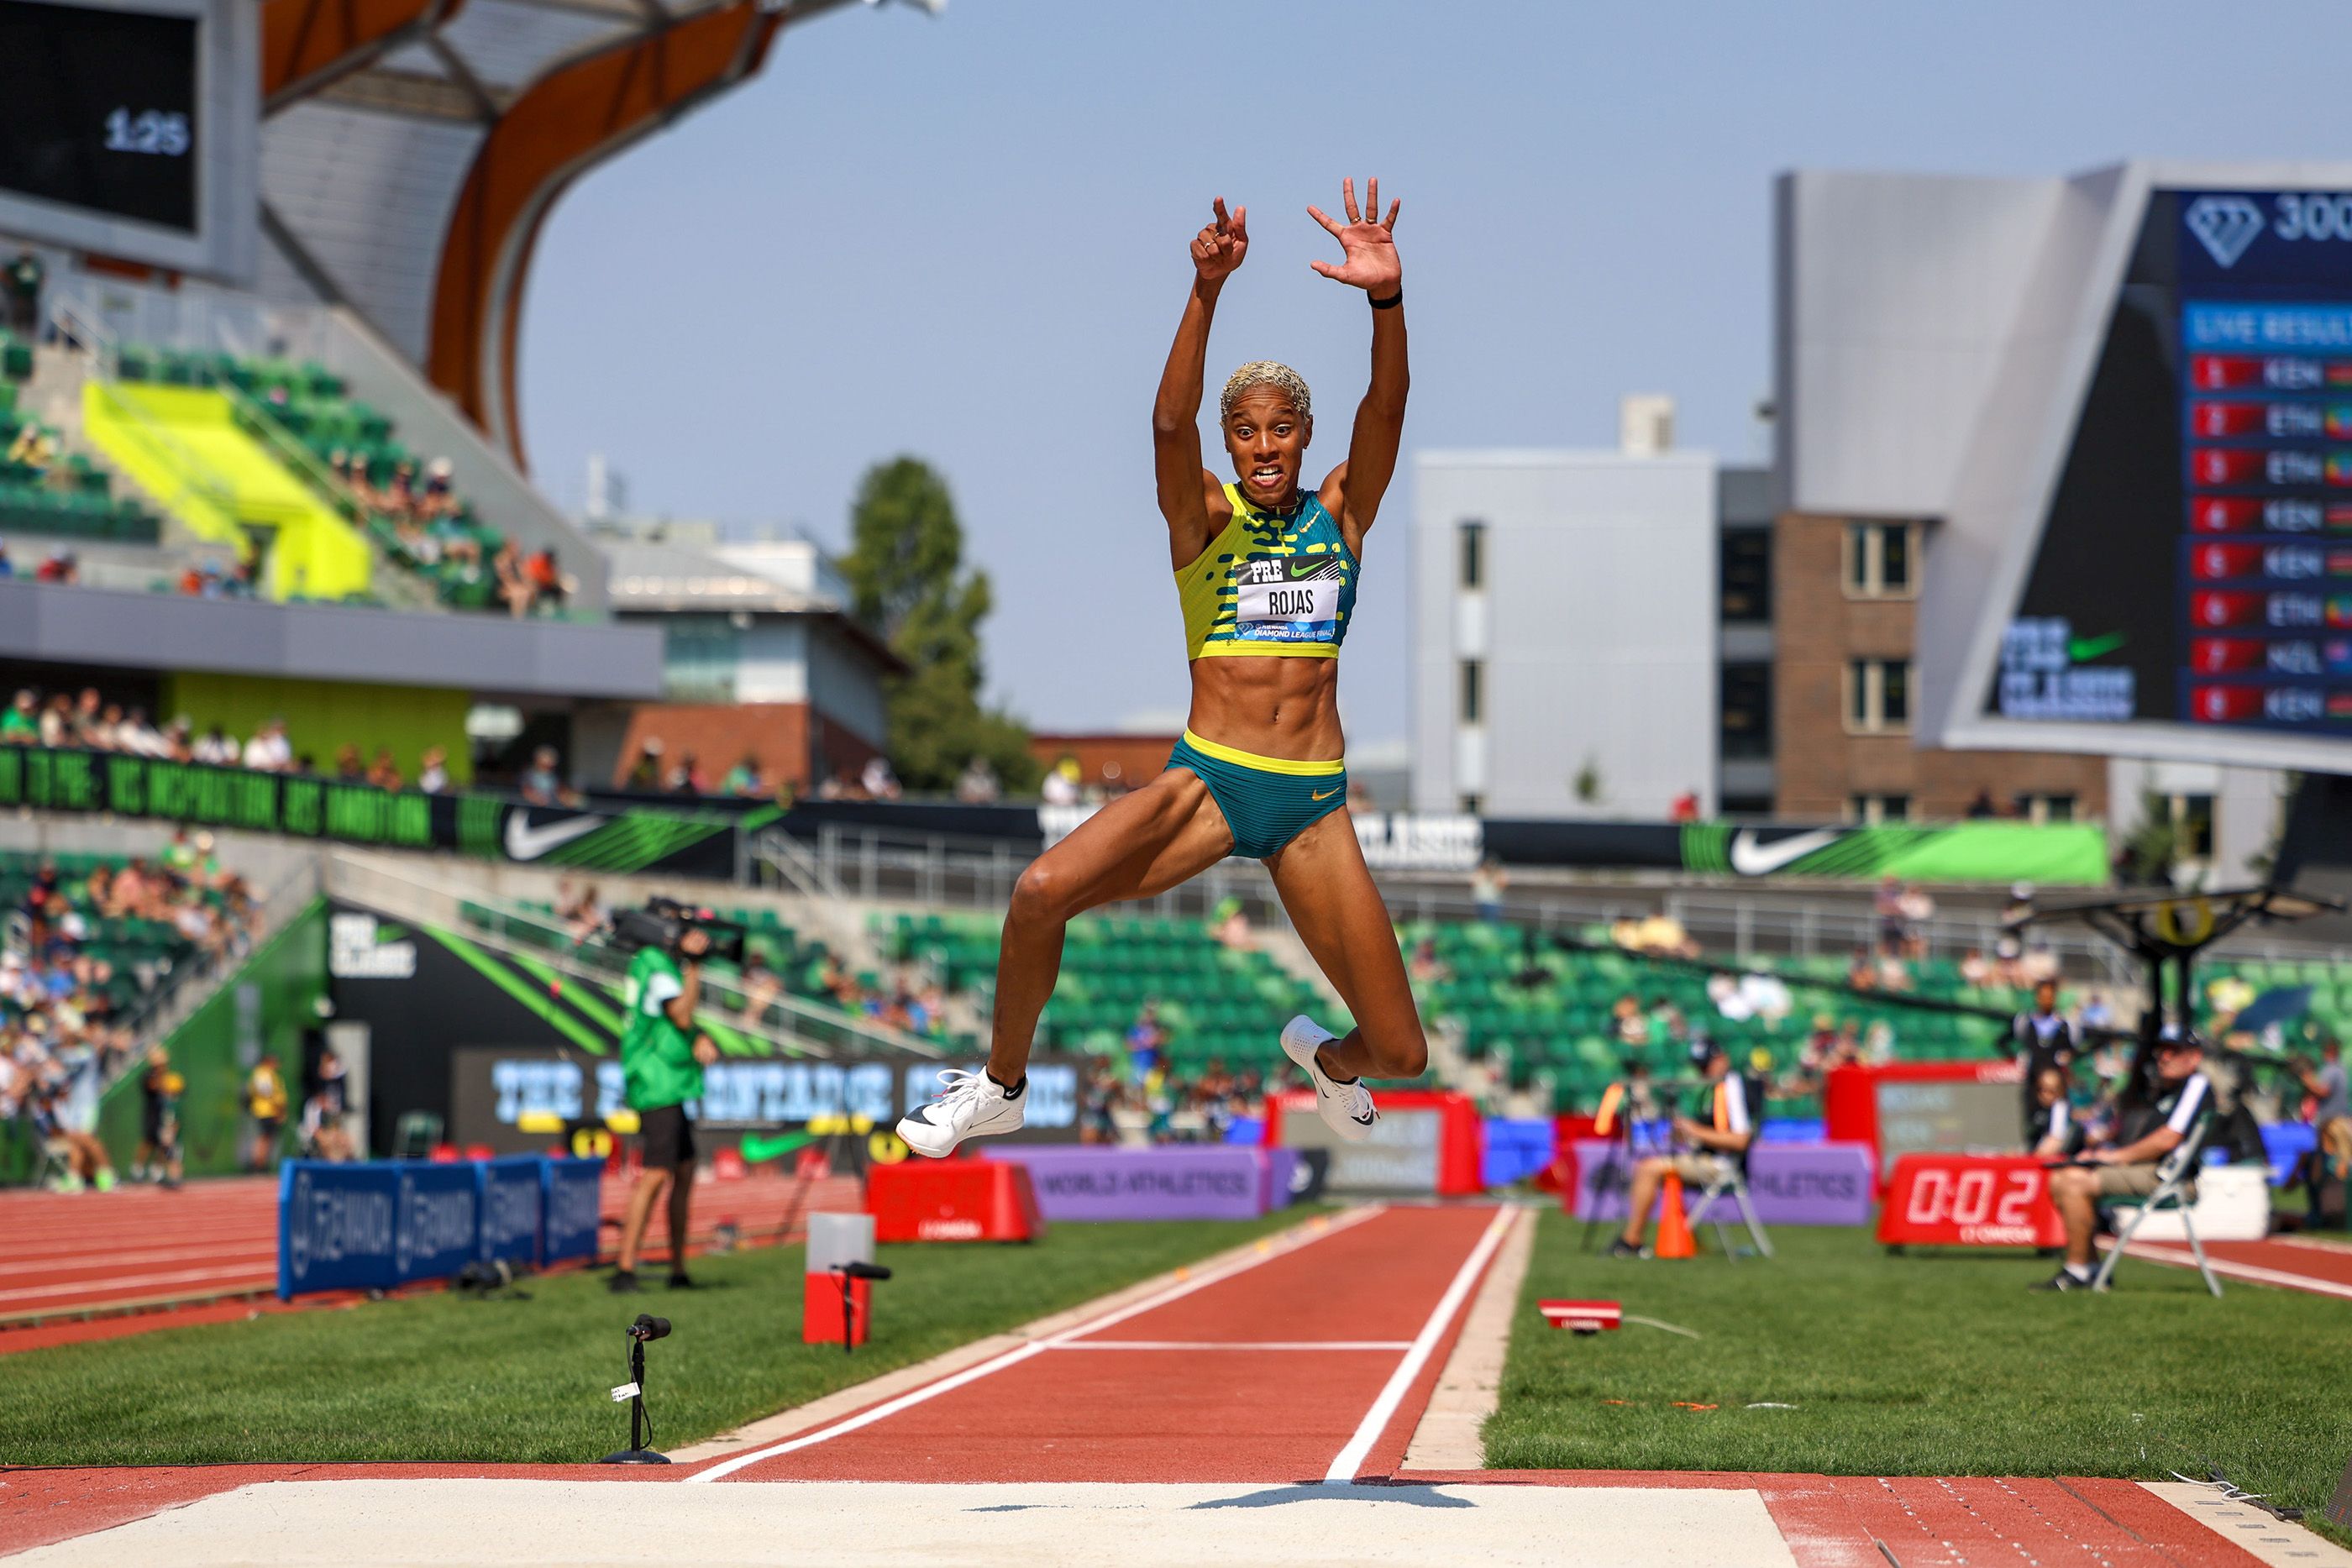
(908, 580)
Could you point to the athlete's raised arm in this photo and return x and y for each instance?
(1190, 497)
(1353, 494)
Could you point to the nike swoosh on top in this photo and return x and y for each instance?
(2079, 649)
(1325, 796)
(1365, 1121)
(525, 842)
(1750, 858)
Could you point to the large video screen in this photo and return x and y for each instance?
(100, 111)
(2195, 564)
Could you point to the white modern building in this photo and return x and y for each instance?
(1564, 628)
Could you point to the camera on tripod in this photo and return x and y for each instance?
(664, 921)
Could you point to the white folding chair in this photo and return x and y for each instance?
(2174, 1176)
(1731, 1181)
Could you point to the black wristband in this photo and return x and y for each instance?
(1390, 303)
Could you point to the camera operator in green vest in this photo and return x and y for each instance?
(662, 1059)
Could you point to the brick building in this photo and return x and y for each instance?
(1845, 603)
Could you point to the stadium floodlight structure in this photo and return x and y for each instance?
(411, 149)
(2124, 400)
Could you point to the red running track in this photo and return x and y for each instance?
(69, 1255)
(1179, 1391)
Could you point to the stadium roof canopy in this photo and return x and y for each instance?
(412, 148)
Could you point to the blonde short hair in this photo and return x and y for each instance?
(1266, 374)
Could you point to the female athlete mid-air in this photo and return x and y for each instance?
(1265, 573)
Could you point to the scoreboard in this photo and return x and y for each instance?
(2195, 564)
(131, 129)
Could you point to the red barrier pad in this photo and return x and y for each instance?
(821, 1309)
(1583, 1316)
(1970, 1200)
(1395, 1158)
(953, 1200)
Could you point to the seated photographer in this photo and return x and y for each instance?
(2180, 1100)
(2053, 1133)
(1724, 1112)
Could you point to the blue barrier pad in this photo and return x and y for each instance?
(2283, 1142)
(336, 1225)
(570, 1210)
(511, 1191)
(1791, 1129)
(1517, 1147)
(439, 1225)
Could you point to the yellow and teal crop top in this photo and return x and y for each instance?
(1278, 583)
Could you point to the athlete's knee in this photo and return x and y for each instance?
(1041, 893)
(1398, 1052)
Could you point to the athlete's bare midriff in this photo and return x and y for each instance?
(1286, 707)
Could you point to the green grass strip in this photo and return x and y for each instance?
(1938, 1362)
(443, 1377)
(536, 999)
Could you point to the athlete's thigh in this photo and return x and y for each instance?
(1140, 844)
(1329, 891)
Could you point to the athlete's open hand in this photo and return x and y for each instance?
(1219, 248)
(1372, 263)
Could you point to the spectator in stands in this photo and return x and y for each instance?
(2325, 1085)
(1061, 786)
(977, 785)
(877, 780)
(1231, 927)
(23, 282)
(326, 1130)
(744, 780)
(541, 784)
(61, 569)
(2131, 1165)
(583, 913)
(1918, 908)
(159, 1088)
(644, 774)
(384, 772)
(549, 585)
(264, 1101)
(433, 770)
(1887, 905)
(439, 498)
(137, 737)
(57, 720)
(1488, 881)
(85, 1160)
(685, 778)
(515, 589)
(34, 448)
(761, 986)
(217, 748)
(21, 724)
(7, 567)
(269, 750)
(349, 769)
(1685, 808)
(1146, 1039)
(1981, 806)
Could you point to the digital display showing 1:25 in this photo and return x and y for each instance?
(100, 111)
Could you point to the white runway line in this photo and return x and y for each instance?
(1014, 1358)
(1233, 1345)
(1351, 1458)
(2254, 1271)
(262, 1274)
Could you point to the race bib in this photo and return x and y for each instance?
(1286, 598)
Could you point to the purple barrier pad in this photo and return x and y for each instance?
(1791, 1183)
(1198, 1181)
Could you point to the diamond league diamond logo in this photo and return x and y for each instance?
(2224, 225)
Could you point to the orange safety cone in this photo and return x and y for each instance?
(1675, 1238)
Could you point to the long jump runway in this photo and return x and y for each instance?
(1254, 1409)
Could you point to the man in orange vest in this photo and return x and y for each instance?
(1725, 1114)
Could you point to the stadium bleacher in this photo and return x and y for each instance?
(64, 497)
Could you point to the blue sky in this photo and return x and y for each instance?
(964, 236)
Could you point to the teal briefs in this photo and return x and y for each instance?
(1267, 800)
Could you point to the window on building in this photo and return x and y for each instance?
(698, 658)
(1746, 720)
(1880, 560)
(1473, 691)
(1744, 583)
(1473, 555)
(1878, 696)
(1871, 810)
(2042, 809)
